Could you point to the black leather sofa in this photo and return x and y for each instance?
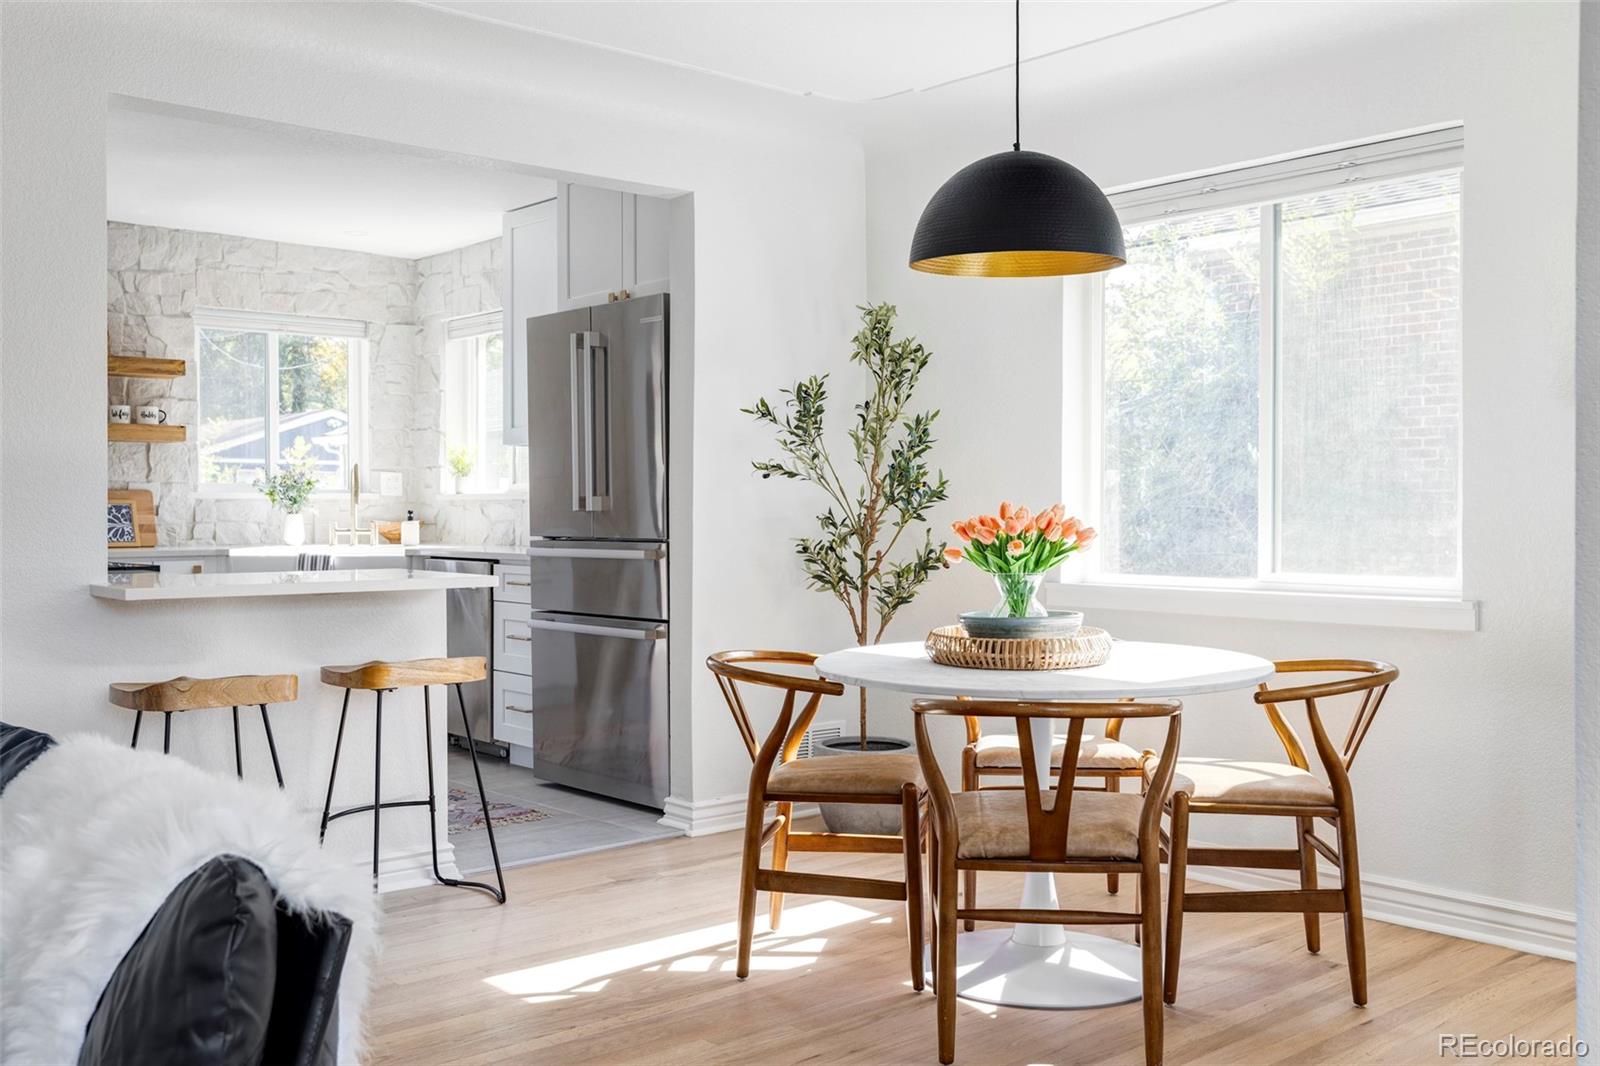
(223, 975)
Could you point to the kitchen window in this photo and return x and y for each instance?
(476, 459)
(1277, 378)
(275, 389)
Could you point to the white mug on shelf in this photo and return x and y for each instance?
(119, 414)
(151, 416)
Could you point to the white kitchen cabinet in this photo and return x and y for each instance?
(513, 709)
(529, 284)
(610, 244)
(652, 245)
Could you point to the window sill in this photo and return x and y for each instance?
(1446, 613)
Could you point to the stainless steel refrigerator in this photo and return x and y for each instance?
(598, 554)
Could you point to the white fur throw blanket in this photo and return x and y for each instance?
(93, 838)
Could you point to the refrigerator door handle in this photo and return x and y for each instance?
(650, 633)
(646, 554)
(578, 346)
(597, 413)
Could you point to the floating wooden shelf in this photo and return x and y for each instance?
(137, 366)
(135, 434)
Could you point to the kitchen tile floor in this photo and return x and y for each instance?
(575, 823)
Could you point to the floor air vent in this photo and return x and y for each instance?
(816, 735)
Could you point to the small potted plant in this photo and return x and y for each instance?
(1018, 549)
(461, 464)
(290, 489)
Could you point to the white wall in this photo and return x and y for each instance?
(1588, 555)
(1462, 786)
(778, 263)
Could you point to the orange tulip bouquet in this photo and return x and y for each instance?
(1018, 548)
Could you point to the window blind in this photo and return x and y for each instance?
(1373, 161)
(472, 325)
(272, 321)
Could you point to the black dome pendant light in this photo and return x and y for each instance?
(1018, 214)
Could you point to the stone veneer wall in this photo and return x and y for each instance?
(156, 277)
(451, 284)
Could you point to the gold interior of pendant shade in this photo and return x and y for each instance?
(1017, 264)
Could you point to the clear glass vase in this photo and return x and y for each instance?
(1019, 596)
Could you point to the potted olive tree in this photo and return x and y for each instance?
(852, 556)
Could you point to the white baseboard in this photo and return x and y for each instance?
(1536, 930)
(411, 869)
(698, 818)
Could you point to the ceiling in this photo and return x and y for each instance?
(193, 170)
(849, 50)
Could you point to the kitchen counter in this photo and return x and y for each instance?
(146, 586)
(492, 552)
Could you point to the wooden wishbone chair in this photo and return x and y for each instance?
(778, 777)
(1103, 758)
(1283, 790)
(1018, 831)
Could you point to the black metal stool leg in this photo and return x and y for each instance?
(500, 893)
(266, 724)
(483, 799)
(238, 752)
(427, 732)
(377, 784)
(338, 742)
(166, 733)
(138, 716)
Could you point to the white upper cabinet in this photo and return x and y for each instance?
(651, 245)
(611, 245)
(530, 290)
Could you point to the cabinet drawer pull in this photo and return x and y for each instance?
(519, 710)
(513, 636)
(517, 584)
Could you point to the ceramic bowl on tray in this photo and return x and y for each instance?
(1054, 624)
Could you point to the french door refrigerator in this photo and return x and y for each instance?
(598, 553)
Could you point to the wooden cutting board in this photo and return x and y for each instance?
(130, 518)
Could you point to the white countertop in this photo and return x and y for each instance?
(272, 551)
(140, 587)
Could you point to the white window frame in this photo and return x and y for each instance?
(473, 328)
(1406, 602)
(273, 324)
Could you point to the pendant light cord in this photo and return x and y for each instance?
(1016, 83)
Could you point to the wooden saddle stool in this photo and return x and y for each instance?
(379, 677)
(183, 694)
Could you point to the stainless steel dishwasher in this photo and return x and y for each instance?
(469, 630)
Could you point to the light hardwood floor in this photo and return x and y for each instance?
(626, 956)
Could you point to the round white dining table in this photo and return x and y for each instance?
(1047, 966)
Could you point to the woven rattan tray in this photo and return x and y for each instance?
(950, 646)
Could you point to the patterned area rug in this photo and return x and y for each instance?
(466, 814)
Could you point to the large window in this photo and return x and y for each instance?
(476, 458)
(277, 389)
(1280, 385)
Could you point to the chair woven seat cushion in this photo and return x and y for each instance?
(1001, 751)
(993, 824)
(1273, 784)
(847, 775)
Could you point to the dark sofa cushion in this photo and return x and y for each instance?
(196, 988)
(18, 748)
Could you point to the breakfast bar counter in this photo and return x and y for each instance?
(224, 624)
(140, 586)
